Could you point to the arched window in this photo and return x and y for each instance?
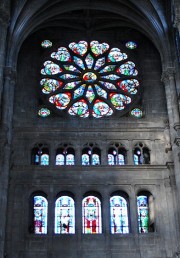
(119, 220)
(40, 155)
(116, 154)
(141, 154)
(64, 215)
(145, 209)
(91, 155)
(89, 79)
(65, 155)
(40, 214)
(91, 215)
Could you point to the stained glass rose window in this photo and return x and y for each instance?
(89, 80)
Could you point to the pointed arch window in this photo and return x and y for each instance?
(145, 209)
(119, 220)
(65, 155)
(141, 154)
(40, 214)
(91, 155)
(64, 215)
(116, 154)
(40, 155)
(91, 216)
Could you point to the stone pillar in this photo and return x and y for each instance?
(177, 19)
(168, 78)
(5, 146)
(4, 22)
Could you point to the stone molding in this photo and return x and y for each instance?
(4, 17)
(10, 73)
(168, 74)
(177, 18)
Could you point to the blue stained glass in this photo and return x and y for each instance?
(79, 62)
(71, 68)
(50, 68)
(60, 100)
(70, 159)
(119, 215)
(101, 109)
(108, 85)
(143, 214)
(79, 48)
(99, 63)
(71, 85)
(45, 159)
(91, 215)
(101, 92)
(95, 159)
(46, 43)
(60, 159)
(98, 48)
(131, 45)
(89, 60)
(137, 112)
(120, 101)
(115, 55)
(79, 91)
(108, 68)
(111, 160)
(79, 108)
(136, 160)
(61, 55)
(50, 85)
(130, 86)
(68, 76)
(121, 160)
(85, 160)
(44, 112)
(112, 77)
(90, 94)
(127, 69)
(64, 216)
(40, 215)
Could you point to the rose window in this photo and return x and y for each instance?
(89, 80)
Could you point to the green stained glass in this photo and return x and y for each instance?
(79, 62)
(89, 60)
(71, 85)
(71, 68)
(61, 100)
(101, 109)
(50, 85)
(90, 94)
(79, 91)
(79, 48)
(101, 92)
(97, 48)
(108, 68)
(79, 108)
(119, 101)
(128, 69)
(99, 63)
(61, 55)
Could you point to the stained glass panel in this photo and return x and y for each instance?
(70, 159)
(127, 69)
(60, 159)
(79, 48)
(101, 109)
(50, 85)
(44, 159)
(79, 91)
(137, 112)
(99, 63)
(61, 100)
(95, 159)
(71, 85)
(121, 160)
(111, 160)
(50, 68)
(79, 108)
(115, 55)
(61, 55)
(92, 221)
(111, 77)
(108, 68)
(40, 215)
(46, 43)
(143, 214)
(120, 101)
(44, 112)
(119, 215)
(97, 48)
(130, 86)
(131, 45)
(85, 160)
(101, 92)
(64, 216)
(89, 61)
(90, 94)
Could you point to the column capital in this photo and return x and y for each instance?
(4, 16)
(168, 74)
(10, 73)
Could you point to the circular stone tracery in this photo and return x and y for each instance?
(89, 80)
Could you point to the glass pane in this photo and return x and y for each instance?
(119, 215)
(95, 159)
(64, 216)
(61, 55)
(85, 159)
(70, 159)
(111, 159)
(79, 108)
(115, 55)
(121, 159)
(97, 48)
(79, 48)
(45, 159)
(91, 208)
(120, 101)
(40, 215)
(60, 159)
(50, 68)
(60, 100)
(143, 214)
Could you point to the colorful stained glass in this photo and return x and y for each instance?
(95, 159)
(99, 63)
(79, 108)
(136, 160)
(86, 76)
(61, 55)
(45, 159)
(89, 77)
(70, 159)
(108, 68)
(79, 91)
(79, 62)
(130, 86)
(64, 216)
(50, 85)
(131, 45)
(111, 77)
(120, 101)
(91, 216)
(89, 60)
(46, 43)
(50, 68)
(44, 112)
(101, 109)
(71, 85)
(108, 85)
(101, 92)
(119, 215)
(115, 55)
(85, 160)
(97, 48)
(61, 100)
(137, 112)
(60, 159)
(127, 69)
(79, 48)
(143, 214)
(111, 160)
(121, 160)
(71, 68)
(40, 215)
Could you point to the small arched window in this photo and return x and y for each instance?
(64, 215)
(91, 215)
(119, 220)
(116, 154)
(40, 214)
(145, 209)
(65, 155)
(141, 154)
(91, 155)
(40, 155)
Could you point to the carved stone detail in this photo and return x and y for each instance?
(10, 73)
(168, 74)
